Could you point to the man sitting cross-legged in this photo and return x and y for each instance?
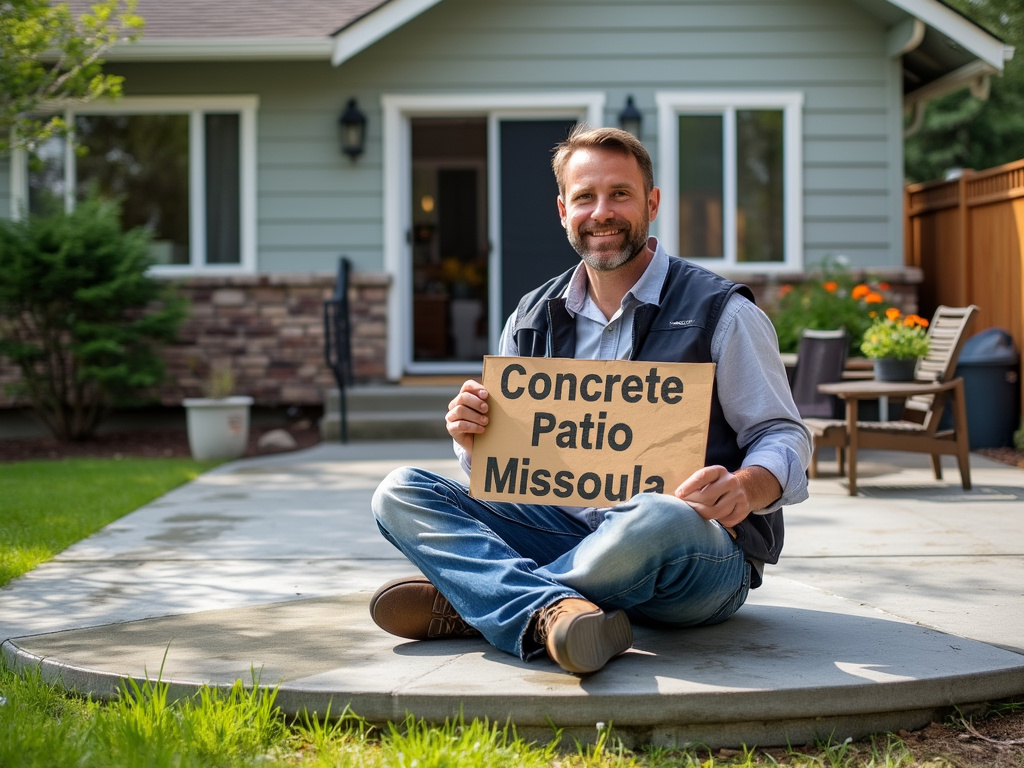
(568, 582)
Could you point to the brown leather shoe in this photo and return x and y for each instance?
(413, 608)
(580, 637)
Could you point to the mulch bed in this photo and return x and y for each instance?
(142, 443)
(1005, 455)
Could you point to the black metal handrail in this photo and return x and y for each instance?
(338, 339)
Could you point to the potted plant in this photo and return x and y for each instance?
(218, 424)
(896, 342)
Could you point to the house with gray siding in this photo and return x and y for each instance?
(776, 128)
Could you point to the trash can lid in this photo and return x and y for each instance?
(993, 345)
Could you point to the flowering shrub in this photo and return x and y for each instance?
(896, 336)
(837, 300)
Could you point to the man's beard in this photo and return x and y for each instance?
(634, 243)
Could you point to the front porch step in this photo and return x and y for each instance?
(388, 412)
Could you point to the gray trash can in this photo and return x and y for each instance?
(989, 366)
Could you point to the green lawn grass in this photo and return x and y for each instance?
(242, 727)
(45, 506)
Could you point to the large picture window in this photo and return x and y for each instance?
(183, 168)
(730, 179)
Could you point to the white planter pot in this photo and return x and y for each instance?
(218, 428)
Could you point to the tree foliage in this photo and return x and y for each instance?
(961, 131)
(49, 58)
(80, 316)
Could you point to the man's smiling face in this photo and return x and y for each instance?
(605, 210)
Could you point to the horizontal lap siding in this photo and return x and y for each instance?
(829, 50)
(315, 204)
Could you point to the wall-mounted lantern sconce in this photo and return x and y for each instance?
(630, 118)
(352, 129)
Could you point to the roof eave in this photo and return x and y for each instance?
(223, 49)
(988, 48)
(363, 32)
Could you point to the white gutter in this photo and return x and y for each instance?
(222, 49)
(974, 76)
(382, 21)
(905, 37)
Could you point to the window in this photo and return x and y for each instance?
(183, 168)
(730, 171)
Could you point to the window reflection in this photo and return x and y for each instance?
(759, 190)
(141, 160)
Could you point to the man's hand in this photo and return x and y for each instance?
(467, 415)
(715, 493)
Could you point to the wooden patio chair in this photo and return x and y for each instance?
(926, 397)
(820, 359)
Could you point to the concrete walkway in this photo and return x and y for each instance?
(887, 608)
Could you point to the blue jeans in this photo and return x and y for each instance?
(499, 563)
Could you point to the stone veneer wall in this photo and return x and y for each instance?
(269, 330)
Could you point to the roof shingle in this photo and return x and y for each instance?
(243, 19)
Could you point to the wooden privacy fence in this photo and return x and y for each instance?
(967, 237)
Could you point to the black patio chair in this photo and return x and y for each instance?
(820, 360)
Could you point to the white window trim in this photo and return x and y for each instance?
(670, 105)
(196, 107)
(398, 111)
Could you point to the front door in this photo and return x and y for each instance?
(452, 286)
(470, 219)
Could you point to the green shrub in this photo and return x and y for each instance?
(80, 316)
(828, 300)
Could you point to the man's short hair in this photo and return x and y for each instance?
(615, 139)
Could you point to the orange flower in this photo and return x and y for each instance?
(884, 286)
(912, 320)
(892, 314)
(785, 289)
(873, 298)
(831, 286)
(860, 291)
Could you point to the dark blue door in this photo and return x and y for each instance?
(533, 243)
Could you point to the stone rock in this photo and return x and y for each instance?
(276, 440)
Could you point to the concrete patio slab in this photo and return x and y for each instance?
(887, 608)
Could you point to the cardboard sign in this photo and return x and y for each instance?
(589, 433)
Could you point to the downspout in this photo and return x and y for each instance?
(904, 38)
(917, 118)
